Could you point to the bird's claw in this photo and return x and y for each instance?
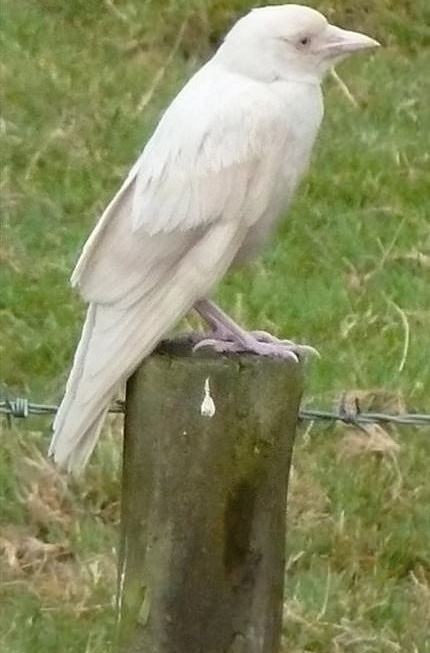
(304, 351)
(265, 336)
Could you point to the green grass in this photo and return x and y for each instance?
(345, 275)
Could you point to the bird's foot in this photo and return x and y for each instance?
(260, 343)
(228, 337)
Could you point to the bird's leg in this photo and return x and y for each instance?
(227, 336)
(220, 323)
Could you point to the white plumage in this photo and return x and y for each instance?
(206, 191)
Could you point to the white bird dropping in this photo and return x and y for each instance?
(207, 409)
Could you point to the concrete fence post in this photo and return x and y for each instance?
(208, 443)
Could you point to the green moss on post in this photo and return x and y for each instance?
(204, 503)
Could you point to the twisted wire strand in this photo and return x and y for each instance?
(22, 408)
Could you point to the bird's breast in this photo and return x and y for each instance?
(286, 161)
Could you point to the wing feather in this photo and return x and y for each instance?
(190, 179)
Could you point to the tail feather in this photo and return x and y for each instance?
(102, 363)
(75, 457)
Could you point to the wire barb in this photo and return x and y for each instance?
(18, 408)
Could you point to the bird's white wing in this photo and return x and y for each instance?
(116, 338)
(192, 177)
(165, 240)
(208, 160)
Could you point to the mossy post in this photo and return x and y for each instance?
(208, 442)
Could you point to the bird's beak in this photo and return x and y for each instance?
(341, 42)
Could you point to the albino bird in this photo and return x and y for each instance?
(206, 192)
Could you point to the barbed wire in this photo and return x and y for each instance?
(411, 419)
(22, 408)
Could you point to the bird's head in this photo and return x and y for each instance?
(289, 41)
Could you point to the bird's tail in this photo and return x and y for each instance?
(113, 343)
(67, 447)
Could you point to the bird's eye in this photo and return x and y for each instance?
(304, 41)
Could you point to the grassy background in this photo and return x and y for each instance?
(83, 84)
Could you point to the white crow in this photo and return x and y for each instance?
(206, 192)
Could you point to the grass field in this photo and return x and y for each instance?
(83, 84)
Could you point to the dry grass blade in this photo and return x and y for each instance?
(159, 75)
(25, 554)
(344, 88)
(372, 400)
(407, 333)
(44, 492)
(414, 256)
(369, 439)
(111, 6)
